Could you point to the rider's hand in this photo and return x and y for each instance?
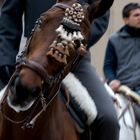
(6, 72)
(115, 84)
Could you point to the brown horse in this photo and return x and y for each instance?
(31, 107)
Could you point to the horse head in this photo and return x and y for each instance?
(57, 41)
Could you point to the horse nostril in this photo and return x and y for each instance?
(36, 91)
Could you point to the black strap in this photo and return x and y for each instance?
(75, 111)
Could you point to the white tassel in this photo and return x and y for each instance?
(64, 35)
(74, 35)
(69, 37)
(80, 35)
(60, 29)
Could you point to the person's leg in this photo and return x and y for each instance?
(2, 85)
(105, 126)
(136, 108)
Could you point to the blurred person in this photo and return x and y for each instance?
(121, 63)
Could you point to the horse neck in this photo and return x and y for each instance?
(58, 122)
(52, 124)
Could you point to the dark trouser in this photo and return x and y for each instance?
(2, 85)
(137, 112)
(105, 126)
(137, 107)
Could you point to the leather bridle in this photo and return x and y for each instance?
(33, 65)
(38, 68)
(41, 71)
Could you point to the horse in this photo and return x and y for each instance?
(124, 99)
(30, 106)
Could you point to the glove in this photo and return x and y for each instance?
(6, 72)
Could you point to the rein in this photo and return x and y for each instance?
(122, 115)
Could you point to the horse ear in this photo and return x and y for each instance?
(98, 8)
